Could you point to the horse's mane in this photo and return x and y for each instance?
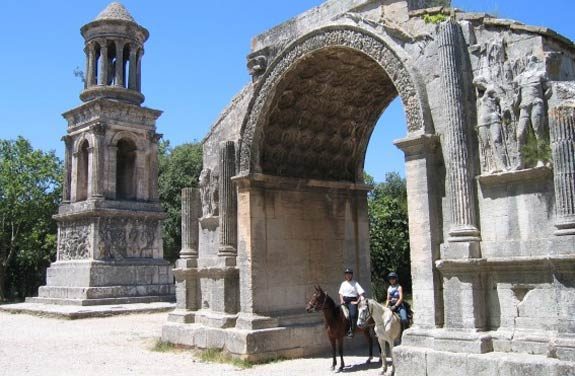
(331, 306)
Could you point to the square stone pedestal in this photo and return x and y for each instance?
(254, 338)
(95, 282)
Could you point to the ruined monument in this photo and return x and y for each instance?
(109, 223)
(282, 204)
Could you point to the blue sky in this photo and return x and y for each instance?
(195, 62)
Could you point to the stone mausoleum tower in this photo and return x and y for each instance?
(109, 223)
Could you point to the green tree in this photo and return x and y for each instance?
(180, 167)
(29, 196)
(388, 233)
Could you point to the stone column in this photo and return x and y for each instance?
(119, 64)
(191, 211)
(154, 192)
(112, 189)
(66, 184)
(562, 132)
(186, 272)
(139, 70)
(90, 65)
(421, 164)
(463, 288)
(458, 164)
(97, 178)
(74, 177)
(91, 176)
(228, 204)
(103, 69)
(132, 80)
(87, 70)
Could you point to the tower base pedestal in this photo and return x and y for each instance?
(96, 282)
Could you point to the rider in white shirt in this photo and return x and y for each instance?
(349, 293)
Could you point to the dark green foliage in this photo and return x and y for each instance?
(388, 233)
(180, 167)
(30, 190)
(534, 151)
(435, 19)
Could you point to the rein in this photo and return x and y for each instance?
(368, 315)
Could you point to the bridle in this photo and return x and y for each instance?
(368, 316)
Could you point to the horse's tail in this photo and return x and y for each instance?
(410, 313)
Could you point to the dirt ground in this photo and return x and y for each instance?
(122, 345)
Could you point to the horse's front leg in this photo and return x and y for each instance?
(334, 362)
(391, 344)
(340, 348)
(382, 354)
(370, 344)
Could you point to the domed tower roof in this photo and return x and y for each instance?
(114, 45)
(115, 11)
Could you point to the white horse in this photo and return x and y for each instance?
(387, 326)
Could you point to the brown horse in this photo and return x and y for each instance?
(336, 324)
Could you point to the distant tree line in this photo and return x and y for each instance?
(30, 192)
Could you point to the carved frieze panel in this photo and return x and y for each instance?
(73, 240)
(511, 108)
(119, 238)
(209, 190)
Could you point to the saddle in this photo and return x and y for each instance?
(345, 311)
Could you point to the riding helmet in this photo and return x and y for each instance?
(392, 275)
(348, 270)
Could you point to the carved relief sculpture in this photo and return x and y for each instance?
(490, 130)
(209, 183)
(530, 104)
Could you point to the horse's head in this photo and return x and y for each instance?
(317, 301)
(364, 313)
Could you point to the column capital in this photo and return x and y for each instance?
(154, 137)
(67, 140)
(98, 129)
(418, 144)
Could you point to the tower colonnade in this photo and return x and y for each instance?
(113, 62)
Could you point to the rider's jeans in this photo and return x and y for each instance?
(402, 312)
(352, 308)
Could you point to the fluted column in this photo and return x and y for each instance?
(228, 205)
(132, 80)
(119, 64)
(562, 132)
(97, 179)
(458, 164)
(154, 192)
(66, 185)
(191, 211)
(103, 69)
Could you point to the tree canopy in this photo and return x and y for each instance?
(29, 195)
(180, 167)
(388, 233)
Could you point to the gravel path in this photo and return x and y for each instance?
(121, 345)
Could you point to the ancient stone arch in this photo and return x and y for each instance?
(385, 53)
(491, 223)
